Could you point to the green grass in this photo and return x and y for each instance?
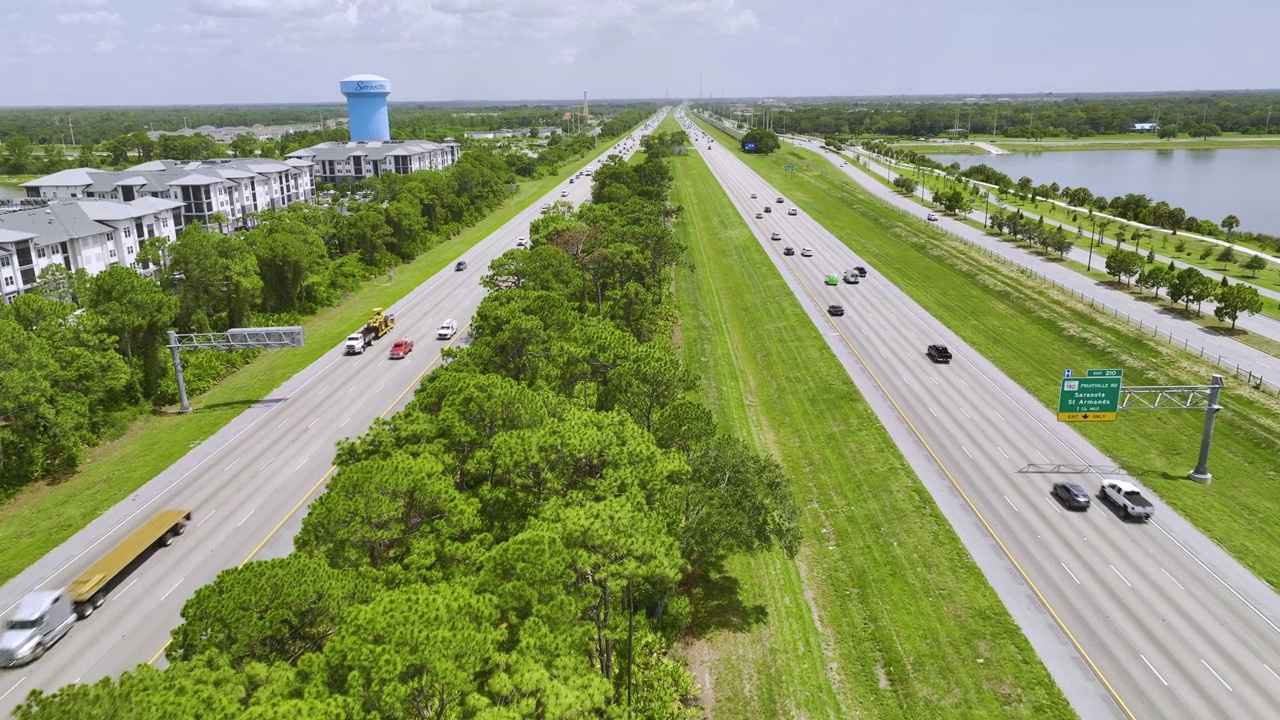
(1164, 243)
(637, 157)
(1032, 331)
(958, 148)
(44, 515)
(876, 617)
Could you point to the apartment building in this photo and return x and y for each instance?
(238, 189)
(82, 233)
(337, 162)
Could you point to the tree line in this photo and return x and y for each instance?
(1197, 114)
(109, 330)
(524, 540)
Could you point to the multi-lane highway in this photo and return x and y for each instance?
(1133, 620)
(248, 485)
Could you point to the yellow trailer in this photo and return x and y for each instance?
(87, 591)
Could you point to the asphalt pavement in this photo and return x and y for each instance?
(1133, 620)
(248, 485)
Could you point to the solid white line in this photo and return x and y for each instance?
(966, 452)
(124, 589)
(1175, 581)
(1215, 674)
(206, 517)
(1117, 572)
(1015, 507)
(1215, 576)
(1002, 452)
(304, 462)
(1273, 672)
(344, 422)
(246, 517)
(1153, 669)
(966, 413)
(1073, 575)
(175, 587)
(313, 422)
(15, 687)
(233, 462)
(931, 411)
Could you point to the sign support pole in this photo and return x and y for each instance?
(1201, 473)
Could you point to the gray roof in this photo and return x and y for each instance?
(157, 175)
(33, 604)
(374, 149)
(64, 220)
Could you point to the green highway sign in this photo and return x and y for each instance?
(1104, 373)
(1093, 398)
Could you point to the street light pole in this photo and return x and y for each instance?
(1092, 242)
(986, 205)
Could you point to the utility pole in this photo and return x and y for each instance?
(72, 130)
(1268, 130)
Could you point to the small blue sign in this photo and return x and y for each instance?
(748, 146)
(1066, 373)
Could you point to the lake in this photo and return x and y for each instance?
(12, 190)
(1208, 184)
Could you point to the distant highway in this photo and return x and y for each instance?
(249, 484)
(1147, 621)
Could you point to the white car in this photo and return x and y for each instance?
(564, 193)
(933, 218)
(793, 211)
(806, 252)
(753, 196)
(447, 329)
(522, 243)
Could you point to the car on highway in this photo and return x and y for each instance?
(447, 329)
(851, 277)
(460, 266)
(564, 193)
(780, 199)
(862, 272)
(933, 218)
(788, 250)
(835, 310)
(1127, 497)
(833, 279)
(806, 252)
(522, 242)
(570, 181)
(753, 196)
(401, 349)
(793, 211)
(759, 216)
(768, 209)
(775, 236)
(1072, 495)
(938, 353)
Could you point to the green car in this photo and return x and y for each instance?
(833, 280)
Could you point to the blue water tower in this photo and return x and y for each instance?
(367, 107)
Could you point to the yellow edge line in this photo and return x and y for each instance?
(325, 477)
(1062, 625)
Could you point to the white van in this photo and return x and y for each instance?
(447, 330)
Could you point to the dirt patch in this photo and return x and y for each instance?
(832, 667)
(699, 656)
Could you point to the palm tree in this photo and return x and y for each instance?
(1230, 223)
(220, 218)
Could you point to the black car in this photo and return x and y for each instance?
(779, 200)
(788, 250)
(460, 266)
(862, 272)
(1072, 495)
(835, 310)
(768, 209)
(938, 353)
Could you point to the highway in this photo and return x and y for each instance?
(248, 485)
(1231, 352)
(1133, 620)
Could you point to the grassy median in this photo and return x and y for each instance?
(876, 617)
(1032, 332)
(43, 516)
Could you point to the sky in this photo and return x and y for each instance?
(166, 52)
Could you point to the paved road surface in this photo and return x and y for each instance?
(248, 484)
(1133, 620)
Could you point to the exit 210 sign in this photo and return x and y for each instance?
(1094, 398)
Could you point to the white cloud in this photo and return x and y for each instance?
(105, 45)
(99, 18)
(77, 3)
(259, 8)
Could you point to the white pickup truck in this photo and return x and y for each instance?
(1128, 498)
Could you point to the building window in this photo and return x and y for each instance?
(4, 261)
(151, 230)
(128, 232)
(164, 222)
(111, 237)
(111, 252)
(128, 249)
(8, 281)
(40, 252)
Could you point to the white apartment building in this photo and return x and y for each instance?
(236, 188)
(89, 234)
(353, 161)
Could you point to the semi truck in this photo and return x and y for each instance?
(379, 325)
(42, 617)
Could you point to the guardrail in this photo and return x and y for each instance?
(1256, 380)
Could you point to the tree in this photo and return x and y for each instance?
(245, 145)
(139, 313)
(1207, 130)
(1154, 277)
(905, 184)
(1124, 264)
(1175, 218)
(764, 141)
(292, 261)
(1255, 263)
(1230, 223)
(1166, 132)
(217, 279)
(1236, 299)
(16, 158)
(1226, 255)
(953, 200)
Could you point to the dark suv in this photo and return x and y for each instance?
(835, 310)
(460, 266)
(938, 353)
(788, 250)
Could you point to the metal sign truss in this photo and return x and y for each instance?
(1165, 397)
(233, 339)
(1069, 469)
